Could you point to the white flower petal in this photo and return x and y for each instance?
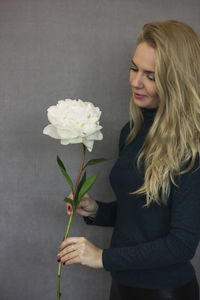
(64, 142)
(96, 136)
(71, 141)
(51, 131)
(76, 140)
(74, 121)
(91, 129)
(88, 144)
(68, 133)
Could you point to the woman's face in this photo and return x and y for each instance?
(142, 77)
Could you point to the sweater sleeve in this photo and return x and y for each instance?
(105, 216)
(107, 211)
(178, 246)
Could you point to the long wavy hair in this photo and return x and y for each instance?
(173, 141)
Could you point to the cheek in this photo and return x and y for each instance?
(154, 96)
(131, 77)
(152, 91)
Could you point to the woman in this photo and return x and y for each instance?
(156, 177)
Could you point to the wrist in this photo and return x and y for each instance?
(100, 264)
(93, 215)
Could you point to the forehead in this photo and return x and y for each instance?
(144, 56)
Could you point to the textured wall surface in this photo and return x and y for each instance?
(51, 50)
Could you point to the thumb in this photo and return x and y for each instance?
(69, 209)
(71, 196)
(69, 206)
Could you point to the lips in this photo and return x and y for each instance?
(138, 94)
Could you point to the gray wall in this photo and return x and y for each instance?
(51, 50)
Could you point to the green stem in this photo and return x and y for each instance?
(70, 220)
(69, 224)
(59, 265)
(81, 168)
(58, 282)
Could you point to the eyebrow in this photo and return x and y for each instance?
(147, 71)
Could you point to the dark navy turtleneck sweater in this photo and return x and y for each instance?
(150, 247)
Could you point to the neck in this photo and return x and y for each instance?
(149, 114)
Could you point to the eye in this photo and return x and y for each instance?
(151, 77)
(134, 69)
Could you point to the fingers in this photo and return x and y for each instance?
(69, 207)
(71, 261)
(70, 250)
(82, 212)
(71, 196)
(70, 258)
(81, 209)
(80, 250)
(69, 254)
(69, 241)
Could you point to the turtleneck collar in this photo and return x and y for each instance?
(149, 113)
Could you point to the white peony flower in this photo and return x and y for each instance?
(74, 121)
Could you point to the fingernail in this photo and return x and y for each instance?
(63, 264)
(59, 260)
(70, 208)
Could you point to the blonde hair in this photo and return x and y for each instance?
(173, 140)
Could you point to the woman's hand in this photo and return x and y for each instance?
(87, 206)
(79, 250)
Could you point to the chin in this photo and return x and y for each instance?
(144, 104)
(141, 104)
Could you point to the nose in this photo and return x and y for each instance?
(136, 80)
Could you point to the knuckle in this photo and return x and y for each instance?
(64, 252)
(71, 196)
(61, 246)
(75, 259)
(87, 202)
(71, 261)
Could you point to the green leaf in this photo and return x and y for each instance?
(83, 179)
(68, 200)
(95, 161)
(64, 172)
(87, 185)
